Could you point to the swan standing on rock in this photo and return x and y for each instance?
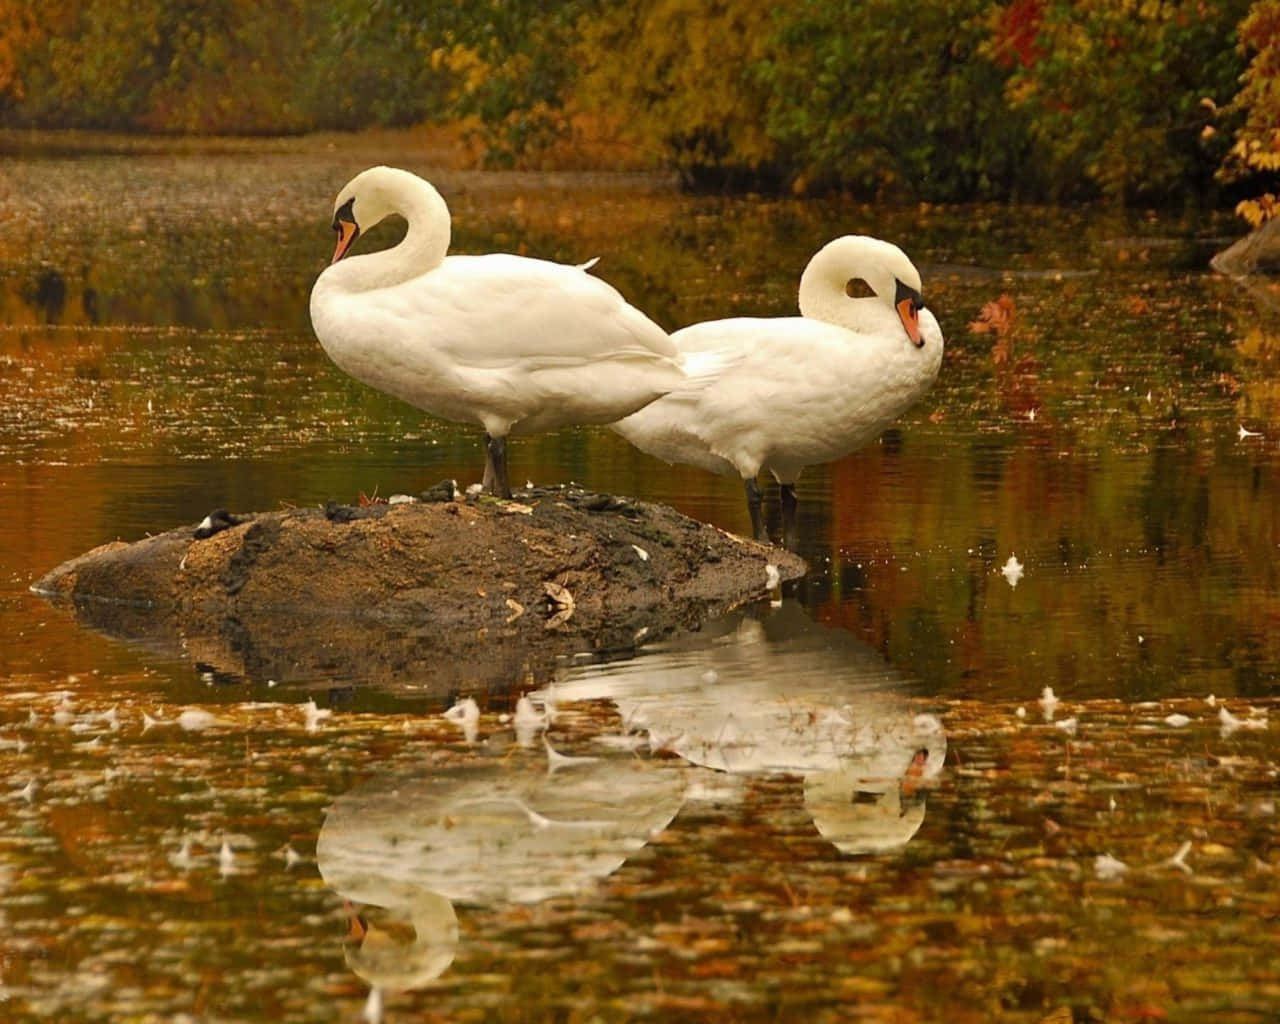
(517, 345)
(795, 391)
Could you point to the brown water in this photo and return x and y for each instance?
(156, 362)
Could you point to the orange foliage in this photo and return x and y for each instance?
(24, 25)
(1015, 36)
(18, 29)
(994, 317)
(997, 318)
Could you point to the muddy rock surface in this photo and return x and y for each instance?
(441, 594)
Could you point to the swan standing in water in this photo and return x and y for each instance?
(795, 391)
(517, 345)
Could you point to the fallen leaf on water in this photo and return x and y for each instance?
(994, 317)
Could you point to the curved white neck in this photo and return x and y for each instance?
(422, 249)
(822, 285)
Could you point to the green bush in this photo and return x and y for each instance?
(894, 97)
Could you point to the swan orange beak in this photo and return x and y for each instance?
(348, 232)
(915, 770)
(908, 303)
(357, 926)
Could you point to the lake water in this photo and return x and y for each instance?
(1107, 415)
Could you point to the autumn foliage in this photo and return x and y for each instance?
(1256, 150)
(1152, 101)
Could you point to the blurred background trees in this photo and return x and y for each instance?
(1137, 101)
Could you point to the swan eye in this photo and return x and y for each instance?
(345, 212)
(857, 288)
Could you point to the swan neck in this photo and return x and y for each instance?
(422, 249)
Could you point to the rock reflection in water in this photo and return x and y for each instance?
(486, 832)
(783, 695)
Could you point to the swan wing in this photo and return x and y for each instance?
(498, 310)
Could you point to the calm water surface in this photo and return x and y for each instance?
(1107, 414)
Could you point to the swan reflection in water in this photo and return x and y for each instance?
(784, 695)
(498, 829)
(747, 696)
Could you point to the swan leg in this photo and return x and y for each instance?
(754, 501)
(495, 466)
(790, 506)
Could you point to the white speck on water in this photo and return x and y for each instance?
(1108, 867)
(1012, 571)
(226, 860)
(181, 857)
(1176, 720)
(27, 792)
(197, 720)
(1230, 723)
(1048, 702)
(290, 855)
(1179, 859)
(1068, 725)
(313, 715)
(710, 676)
(1244, 432)
(528, 722)
(465, 714)
(1021, 712)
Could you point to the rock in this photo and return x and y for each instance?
(417, 594)
(1256, 252)
(1254, 263)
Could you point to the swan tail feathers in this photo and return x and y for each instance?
(703, 368)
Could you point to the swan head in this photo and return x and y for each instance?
(852, 280)
(377, 193)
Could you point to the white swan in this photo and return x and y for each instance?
(795, 391)
(517, 345)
